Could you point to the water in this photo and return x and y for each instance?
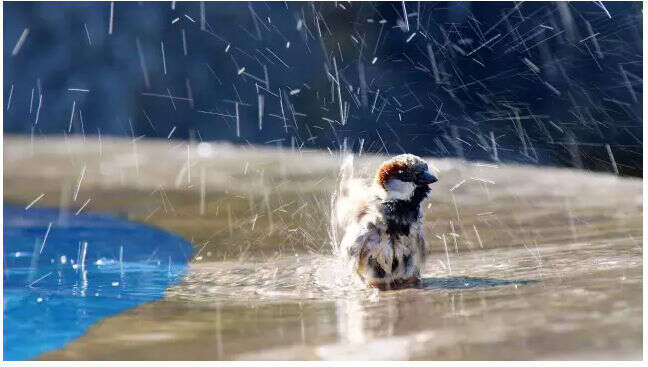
(546, 263)
(62, 273)
(304, 278)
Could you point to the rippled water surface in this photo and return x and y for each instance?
(64, 272)
(525, 262)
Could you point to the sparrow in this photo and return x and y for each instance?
(380, 221)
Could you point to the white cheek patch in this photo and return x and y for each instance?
(399, 190)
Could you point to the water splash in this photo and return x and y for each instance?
(78, 273)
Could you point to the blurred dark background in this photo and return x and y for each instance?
(551, 83)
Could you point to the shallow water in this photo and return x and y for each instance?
(302, 278)
(63, 272)
(525, 263)
(299, 308)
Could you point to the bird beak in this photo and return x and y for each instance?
(426, 178)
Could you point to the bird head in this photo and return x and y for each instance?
(402, 176)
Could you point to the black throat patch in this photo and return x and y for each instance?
(400, 214)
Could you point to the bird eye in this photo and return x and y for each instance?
(400, 171)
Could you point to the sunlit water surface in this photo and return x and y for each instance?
(525, 262)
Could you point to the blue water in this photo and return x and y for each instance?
(53, 292)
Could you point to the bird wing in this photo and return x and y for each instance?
(364, 241)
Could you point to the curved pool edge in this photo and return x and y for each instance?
(64, 273)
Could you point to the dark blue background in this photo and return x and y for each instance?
(599, 100)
